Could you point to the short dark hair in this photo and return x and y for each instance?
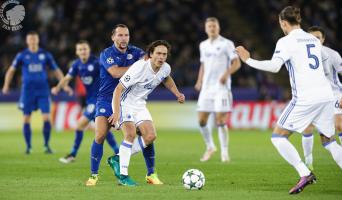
(117, 26)
(32, 33)
(291, 14)
(317, 28)
(212, 19)
(83, 42)
(150, 48)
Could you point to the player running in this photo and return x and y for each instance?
(218, 62)
(129, 103)
(333, 66)
(87, 67)
(35, 92)
(312, 96)
(115, 61)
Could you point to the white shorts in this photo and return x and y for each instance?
(337, 109)
(299, 117)
(136, 115)
(220, 101)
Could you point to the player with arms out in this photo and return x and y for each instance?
(129, 103)
(333, 67)
(114, 62)
(218, 62)
(312, 97)
(87, 67)
(35, 92)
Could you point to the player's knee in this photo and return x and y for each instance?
(338, 128)
(27, 119)
(100, 137)
(150, 138)
(202, 122)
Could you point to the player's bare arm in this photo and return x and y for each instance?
(273, 65)
(170, 85)
(116, 71)
(235, 65)
(8, 78)
(61, 84)
(199, 81)
(59, 75)
(114, 118)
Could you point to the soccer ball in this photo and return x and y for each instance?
(193, 179)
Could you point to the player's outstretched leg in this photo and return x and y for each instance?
(331, 145)
(77, 143)
(112, 142)
(47, 134)
(27, 135)
(290, 154)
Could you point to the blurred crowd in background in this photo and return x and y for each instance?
(254, 24)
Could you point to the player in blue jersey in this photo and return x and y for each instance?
(115, 61)
(34, 62)
(87, 67)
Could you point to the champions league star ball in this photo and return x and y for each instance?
(193, 179)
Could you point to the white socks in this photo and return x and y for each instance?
(290, 154)
(207, 137)
(223, 138)
(336, 152)
(307, 143)
(138, 145)
(125, 156)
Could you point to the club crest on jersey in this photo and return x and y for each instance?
(129, 56)
(27, 57)
(110, 60)
(102, 110)
(127, 78)
(90, 68)
(41, 56)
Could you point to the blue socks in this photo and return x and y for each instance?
(149, 156)
(95, 157)
(112, 143)
(46, 132)
(77, 142)
(27, 135)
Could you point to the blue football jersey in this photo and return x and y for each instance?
(89, 73)
(34, 68)
(112, 56)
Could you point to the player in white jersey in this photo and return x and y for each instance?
(332, 66)
(312, 95)
(218, 62)
(129, 103)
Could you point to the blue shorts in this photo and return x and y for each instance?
(103, 108)
(32, 100)
(89, 111)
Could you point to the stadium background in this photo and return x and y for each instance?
(259, 97)
(62, 23)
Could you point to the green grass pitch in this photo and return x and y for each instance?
(255, 172)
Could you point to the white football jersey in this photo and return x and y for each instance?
(302, 55)
(333, 65)
(139, 81)
(216, 56)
